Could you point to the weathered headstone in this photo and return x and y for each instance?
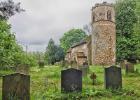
(74, 64)
(123, 64)
(71, 80)
(113, 77)
(129, 67)
(23, 69)
(41, 64)
(84, 69)
(16, 87)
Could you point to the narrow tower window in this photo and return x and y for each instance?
(109, 15)
(93, 17)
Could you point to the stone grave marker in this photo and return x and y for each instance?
(84, 69)
(41, 64)
(113, 77)
(129, 68)
(23, 69)
(71, 80)
(16, 87)
(74, 64)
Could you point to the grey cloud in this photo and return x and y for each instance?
(45, 19)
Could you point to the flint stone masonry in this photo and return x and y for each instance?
(16, 87)
(113, 77)
(71, 80)
(99, 47)
(103, 35)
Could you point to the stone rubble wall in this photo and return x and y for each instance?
(104, 43)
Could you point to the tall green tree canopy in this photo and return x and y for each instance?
(53, 53)
(71, 37)
(126, 18)
(50, 52)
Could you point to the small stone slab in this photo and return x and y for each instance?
(113, 78)
(16, 87)
(84, 69)
(129, 68)
(71, 80)
(23, 69)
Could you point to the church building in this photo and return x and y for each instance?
(99, 48)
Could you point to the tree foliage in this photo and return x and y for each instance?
(71, 37)
(11, 54)
(127, 42)
(125, 17)
(9, 8)
(53, 53)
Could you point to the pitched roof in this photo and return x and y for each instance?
(79, 43)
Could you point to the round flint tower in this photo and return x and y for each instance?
(103, 34)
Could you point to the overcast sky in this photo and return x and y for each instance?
(45, 19)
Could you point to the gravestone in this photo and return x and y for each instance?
(41, 64)
(23, 69)
(123, 64)
(71, 80)
(74, 64)
(16, 87)
(129, 68)
(113, 77)
(84, 69)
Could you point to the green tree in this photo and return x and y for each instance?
(137, 25)
(8, 46)
(125, 17)
(53, 53)
(50, 52)
(127, 41)
(71, 37)
(59, 55)
(11, 54)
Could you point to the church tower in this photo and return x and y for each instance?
(103, 34)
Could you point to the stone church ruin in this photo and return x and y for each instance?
(100, 46)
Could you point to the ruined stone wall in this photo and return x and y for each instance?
(103, 35)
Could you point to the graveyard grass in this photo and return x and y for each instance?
(45, 85)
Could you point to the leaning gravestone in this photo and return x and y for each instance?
(113, 77)
(16, 87)
(71, 80)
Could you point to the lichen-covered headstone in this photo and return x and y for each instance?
(113, 78)
(16, 87)
(71, 80)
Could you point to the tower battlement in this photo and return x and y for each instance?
(103, 12)
(103, 4)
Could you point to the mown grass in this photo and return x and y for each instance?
(46, 85)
